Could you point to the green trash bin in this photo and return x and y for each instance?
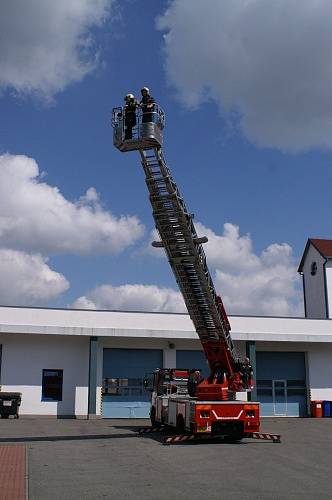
(9, 404)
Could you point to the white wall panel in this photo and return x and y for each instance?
(320, 372)
(328, 271)
(25, 357)
(314, 285)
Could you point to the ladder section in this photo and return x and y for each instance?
(185, 253)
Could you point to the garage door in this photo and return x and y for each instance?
(281, 383)
(124, 371)
(192, 359)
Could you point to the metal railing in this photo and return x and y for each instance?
(156, 114)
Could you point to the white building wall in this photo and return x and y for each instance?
(169, 358)
(320, 372)
(314, 286)
(31, 343)
(25, 356)
(328, 273)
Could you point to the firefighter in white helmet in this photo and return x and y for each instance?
(147, 104)
(130, 107)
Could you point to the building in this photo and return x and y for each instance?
(316, 270)
(82, 363)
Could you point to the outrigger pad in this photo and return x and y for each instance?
(275, 438)
(179, 439)
(148, 430)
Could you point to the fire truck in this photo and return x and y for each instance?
(181, 398)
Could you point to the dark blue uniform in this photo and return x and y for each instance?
(130, 118)
(147, 105)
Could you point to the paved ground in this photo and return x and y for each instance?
(105, 459)
(13, 472)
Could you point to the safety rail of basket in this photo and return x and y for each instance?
(157, 116)
(187, 257)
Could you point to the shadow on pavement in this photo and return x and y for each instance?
(166, 432)
(81, 437)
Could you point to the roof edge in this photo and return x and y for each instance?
(311, 241)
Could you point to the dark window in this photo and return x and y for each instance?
(313, 268)
(52, 385)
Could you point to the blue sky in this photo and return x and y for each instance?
(246, 138)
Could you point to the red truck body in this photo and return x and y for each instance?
(172, 405)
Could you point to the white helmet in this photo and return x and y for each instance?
(145, 89)
(128, 97)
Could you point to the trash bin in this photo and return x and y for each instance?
(317, 409)
(326, 408)
(9, 404)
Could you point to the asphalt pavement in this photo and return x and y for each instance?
(106, 459)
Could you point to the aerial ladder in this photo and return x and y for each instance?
(180, 397)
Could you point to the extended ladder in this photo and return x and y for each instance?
(186, 256)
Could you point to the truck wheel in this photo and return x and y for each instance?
(234, 437)
(180, 425)
(153, 417)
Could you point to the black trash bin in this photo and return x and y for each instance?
(9, 403)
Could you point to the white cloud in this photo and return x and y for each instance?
(37, 217)
(229, 250)
(27, 279)
(249, 283)
(267, 64)
(46, 45)
(266, 284)
(148, 249)
(132, 298)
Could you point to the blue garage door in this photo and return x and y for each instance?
(281, 383)
(192, 359)
(124, 371)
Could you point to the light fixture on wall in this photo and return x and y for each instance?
(171, 345)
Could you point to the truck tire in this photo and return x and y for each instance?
(238, 436)
(154, 423)
(180, 425)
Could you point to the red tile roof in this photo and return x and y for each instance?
(324, 247)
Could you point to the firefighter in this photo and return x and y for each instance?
(246, 373)
(218, 374)
(131, 105)
(147, 104)
(193, 380)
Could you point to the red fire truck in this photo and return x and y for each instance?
(189, 412)
(180, 397)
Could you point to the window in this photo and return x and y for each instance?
(52, 385)
(313, 268)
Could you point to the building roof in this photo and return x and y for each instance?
(121, 329)
(324, 247)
